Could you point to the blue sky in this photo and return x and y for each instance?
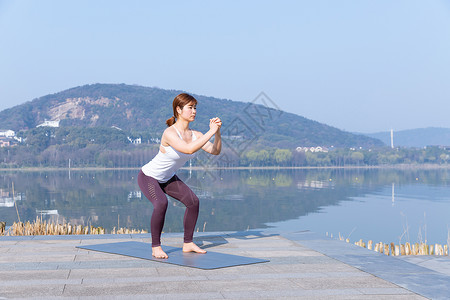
(361, 66)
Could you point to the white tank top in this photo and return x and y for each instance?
(164, 165)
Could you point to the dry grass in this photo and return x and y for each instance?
(405, 249)
(43, 228)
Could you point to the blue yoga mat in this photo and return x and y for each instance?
(207, 261)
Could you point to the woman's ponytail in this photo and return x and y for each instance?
(170, 121)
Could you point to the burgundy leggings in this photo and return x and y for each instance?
(155, 192)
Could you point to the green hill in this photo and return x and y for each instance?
(145, 109)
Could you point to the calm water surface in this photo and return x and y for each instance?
(382, 205)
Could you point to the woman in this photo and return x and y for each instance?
(157, 178)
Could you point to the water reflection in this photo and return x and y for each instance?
(319, 200)
(7, 198)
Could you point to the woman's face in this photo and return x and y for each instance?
(188, 112)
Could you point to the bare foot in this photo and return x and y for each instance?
(191, 247)
(158, 252)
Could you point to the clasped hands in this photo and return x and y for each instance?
(215, 123)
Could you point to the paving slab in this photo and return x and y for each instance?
(301, 267)
(439, 264)
(399, 271)
(8, 277)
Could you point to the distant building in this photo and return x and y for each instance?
(7, 133)
(49, 124)
(446, 148)
(137, 141)
(392, 138)
(4, 142)
(8, 138)
(312, 149)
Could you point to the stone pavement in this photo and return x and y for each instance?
(302, 265)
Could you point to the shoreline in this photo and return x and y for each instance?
(198, 168)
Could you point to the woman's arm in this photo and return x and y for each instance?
(171, 138)
(216, 147)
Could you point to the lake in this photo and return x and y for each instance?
(385, 205)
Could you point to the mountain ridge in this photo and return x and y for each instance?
(137, 108)
(418, 137)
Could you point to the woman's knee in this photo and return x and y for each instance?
(160, 205)
(192, 201)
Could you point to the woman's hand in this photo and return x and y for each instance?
(217, 121)
(215, 124)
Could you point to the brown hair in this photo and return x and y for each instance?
(180, 101)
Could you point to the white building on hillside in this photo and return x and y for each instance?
(312, 149)
(7, 133)
(137, 141)
(4, 142)
(49, 124)
(7, 136)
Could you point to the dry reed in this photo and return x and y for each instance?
(405, 249)
(43, 228)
